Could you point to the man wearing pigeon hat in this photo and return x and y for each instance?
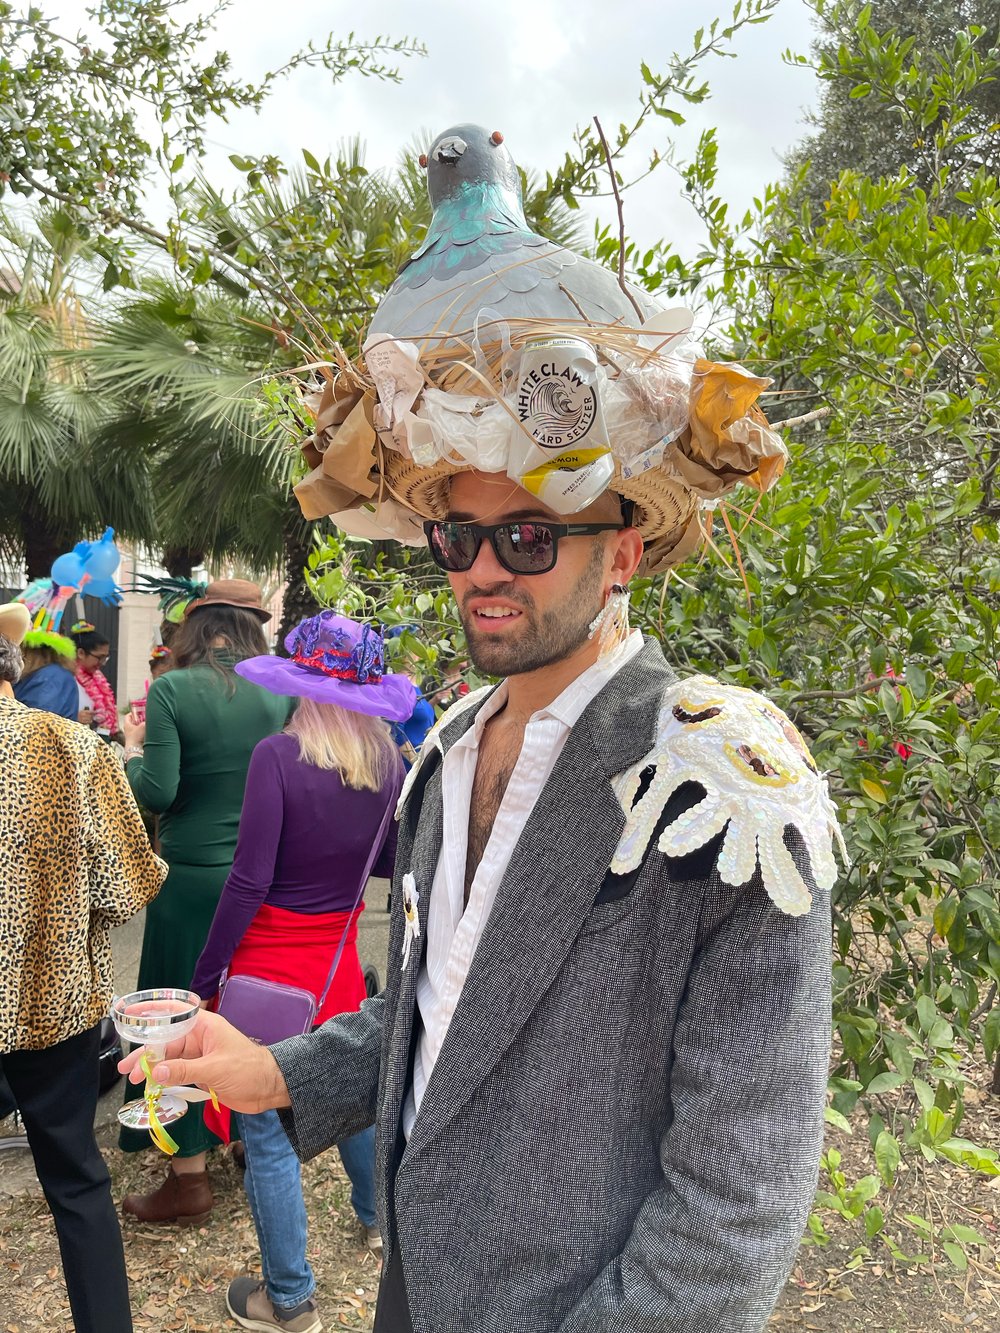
(598, 1067)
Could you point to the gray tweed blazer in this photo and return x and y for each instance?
(622, 1130)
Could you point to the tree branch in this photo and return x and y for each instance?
(621, 222)
(986, 1005)
(251, 275)
(161, 238)
(864, 688)
(791, 422)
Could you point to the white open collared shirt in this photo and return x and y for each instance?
(453, 930)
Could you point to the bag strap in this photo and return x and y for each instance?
(377, 845)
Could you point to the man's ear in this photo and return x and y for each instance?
(627, 552)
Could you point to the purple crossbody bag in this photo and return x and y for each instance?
(270, 1011)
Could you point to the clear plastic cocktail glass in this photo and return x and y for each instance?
(154, 1018)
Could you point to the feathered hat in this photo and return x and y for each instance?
(174, 595)
(335, 660)
(499, 350)
(61, 644)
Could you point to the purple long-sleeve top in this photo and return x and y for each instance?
(303, 845)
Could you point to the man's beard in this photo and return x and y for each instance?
(542, 639)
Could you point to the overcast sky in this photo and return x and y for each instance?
(534, 69)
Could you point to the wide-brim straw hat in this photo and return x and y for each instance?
(15, 621)
(448, 382)
(238, 593)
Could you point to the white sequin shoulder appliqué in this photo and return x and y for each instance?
(758, 777)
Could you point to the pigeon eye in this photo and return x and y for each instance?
(450, 150)
(422, 159)
(496, 137)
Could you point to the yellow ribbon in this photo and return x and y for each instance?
(152, 1095)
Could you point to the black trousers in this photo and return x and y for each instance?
(56, 1092)
(392, 1313)
(392, 1310)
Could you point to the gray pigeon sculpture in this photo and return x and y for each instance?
(480, 253)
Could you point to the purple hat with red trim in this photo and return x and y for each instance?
(335, 660)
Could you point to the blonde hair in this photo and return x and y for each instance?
(359, 747)
(40, 655)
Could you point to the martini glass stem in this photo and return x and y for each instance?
(153, 1055)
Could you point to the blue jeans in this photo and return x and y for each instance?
(273, 1184)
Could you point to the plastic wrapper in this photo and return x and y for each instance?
(387, 521)
(648, 403)
(473, 430)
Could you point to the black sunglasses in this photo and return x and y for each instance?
(522, 548)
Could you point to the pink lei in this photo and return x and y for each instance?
(102, 697)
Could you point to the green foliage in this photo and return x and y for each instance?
(596, 153)
(86, 117)
(584, 168)
(56, 484)
(184, 367)
(873, 572)
(893, 77)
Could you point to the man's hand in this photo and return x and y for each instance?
(244, 1075)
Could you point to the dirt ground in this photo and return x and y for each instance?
(835, 1289)
(179, 1275)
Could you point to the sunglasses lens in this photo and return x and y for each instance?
(453, 546)
(526, 548)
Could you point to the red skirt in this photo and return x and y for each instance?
(297, 948)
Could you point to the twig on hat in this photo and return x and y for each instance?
(621, 221)
(724, 513)
(571, 298)
(303, 310)
(751, 517)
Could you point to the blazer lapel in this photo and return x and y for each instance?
(418, 849)
(554, 874)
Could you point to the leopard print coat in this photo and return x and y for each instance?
(74, 861)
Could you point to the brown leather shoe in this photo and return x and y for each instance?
(184, 1199)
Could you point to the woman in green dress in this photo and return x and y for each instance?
(188, 764)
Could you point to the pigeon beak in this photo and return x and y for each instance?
(448, 151)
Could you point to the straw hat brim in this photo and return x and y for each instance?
(15, 621)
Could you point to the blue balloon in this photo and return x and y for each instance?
(104, 556)
(67, 570)
(105, 590)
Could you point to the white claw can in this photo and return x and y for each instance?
(559, 448)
